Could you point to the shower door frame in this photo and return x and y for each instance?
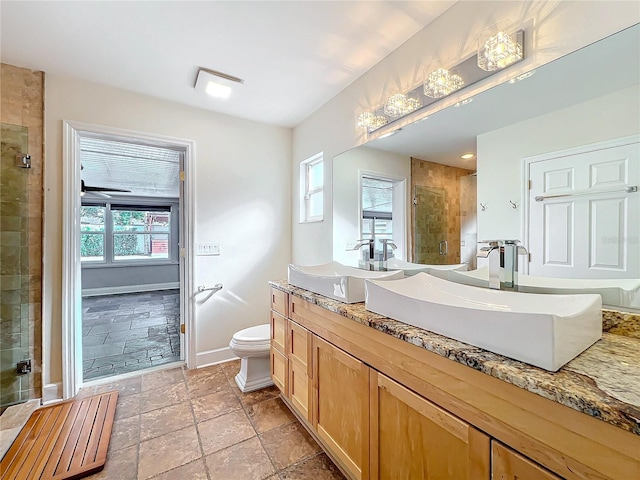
(71, 261)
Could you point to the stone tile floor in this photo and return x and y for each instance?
(129, 332)
(182, 424)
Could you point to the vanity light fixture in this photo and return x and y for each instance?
(400, 104)
(441, 82)
(467, 156)
(369, 121)
(500, 51)
(216, 84)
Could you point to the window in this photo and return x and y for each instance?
(140, 233)
(377, 210)
(128, 233)
(92, 232)
(311, 189)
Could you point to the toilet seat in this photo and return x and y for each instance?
(259, 333)
(251, 341)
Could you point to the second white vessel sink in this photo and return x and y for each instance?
(624, 292)
(543, 330)
(337, 281)
(412, 268)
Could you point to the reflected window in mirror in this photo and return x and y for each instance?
(311, 189)
(377, 211)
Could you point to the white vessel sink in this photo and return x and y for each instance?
(412, 268)
(623, 292)
(543, 330)
(337, 281)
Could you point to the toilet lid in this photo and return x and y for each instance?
(259, 333)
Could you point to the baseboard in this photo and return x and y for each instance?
(52, 392)
(150, 287)
(213, 357)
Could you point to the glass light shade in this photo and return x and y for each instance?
(442, 82)
(369, 121)
(499, 51)
(400, 104)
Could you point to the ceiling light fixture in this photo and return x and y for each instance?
(441, 82)
(522, 77)
(388, 134)
(499, 51)
(467, 156)
(400, 104)
(369, 121)
(216, 84)
(466, 101)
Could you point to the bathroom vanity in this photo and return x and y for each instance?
(389, 400)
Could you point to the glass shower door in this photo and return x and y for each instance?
(431, 226)
(15, 342)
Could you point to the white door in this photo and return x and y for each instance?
(584, 217)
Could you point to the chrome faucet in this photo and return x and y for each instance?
(366, 259)
(503, 263)
(386, 244)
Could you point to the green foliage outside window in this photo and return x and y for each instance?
(91, 245)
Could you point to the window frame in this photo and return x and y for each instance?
(306, 192)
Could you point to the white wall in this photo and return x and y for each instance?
(242, 200)
(346, 182)
(553, 29)
(501, 151)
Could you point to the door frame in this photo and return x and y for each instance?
(526, 178)
(71, 267)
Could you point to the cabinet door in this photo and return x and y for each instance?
(279, 332)
(279, 370)
(510, 465)
(341, 408)
(413, 438)
(299, 353)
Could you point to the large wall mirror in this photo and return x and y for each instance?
(556, 157)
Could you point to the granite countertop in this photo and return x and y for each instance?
(603, 381)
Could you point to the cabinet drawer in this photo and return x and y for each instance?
(279, 370)
(280, 302)
(299, 349)
(279, 332)
(509, 465)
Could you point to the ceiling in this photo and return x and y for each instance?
(293, 56)
(604, 67)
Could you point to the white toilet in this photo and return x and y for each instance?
(252, 346)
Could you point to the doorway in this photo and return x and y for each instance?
(126, 264)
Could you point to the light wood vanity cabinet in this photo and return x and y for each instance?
(384, 409)
(509, 465)
(413, 438)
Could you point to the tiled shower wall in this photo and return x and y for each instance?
(21, 194)
(438, 176)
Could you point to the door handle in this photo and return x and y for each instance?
(445, 250)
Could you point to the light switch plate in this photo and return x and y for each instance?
(208, 248)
